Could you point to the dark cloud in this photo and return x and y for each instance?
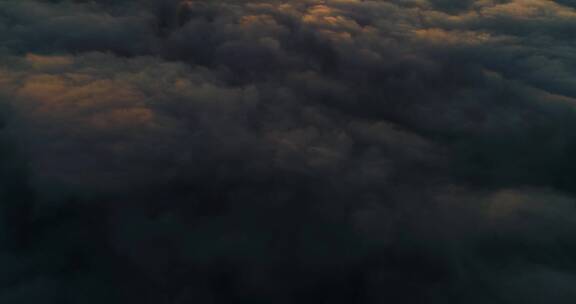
(287, 151)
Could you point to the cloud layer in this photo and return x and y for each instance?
(402, 151)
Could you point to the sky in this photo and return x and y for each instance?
(296, 151)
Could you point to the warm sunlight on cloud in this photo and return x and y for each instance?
(442, 37)
(529, 9)
(42, 62)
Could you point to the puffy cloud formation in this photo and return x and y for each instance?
(305, 151)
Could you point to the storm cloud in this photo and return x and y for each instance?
(261, 151)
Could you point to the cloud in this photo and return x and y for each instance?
(287, 151)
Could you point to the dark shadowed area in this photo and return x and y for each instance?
(297, 151)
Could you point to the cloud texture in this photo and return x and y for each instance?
(261, 151)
